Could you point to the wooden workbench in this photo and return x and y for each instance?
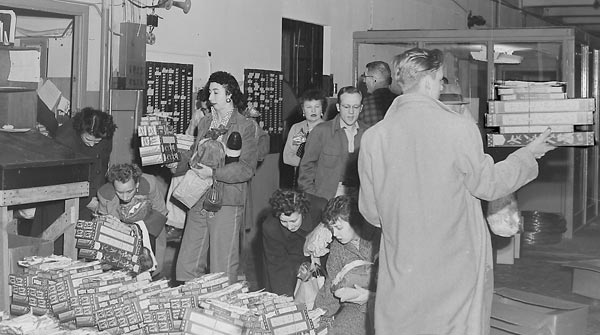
(35, 168)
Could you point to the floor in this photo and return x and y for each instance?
(538, 270)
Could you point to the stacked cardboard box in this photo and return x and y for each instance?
(526, 109)
(44, 290)
(184, 142)
(517, 312)
(158, 142)
(80, 295)
(110, 241)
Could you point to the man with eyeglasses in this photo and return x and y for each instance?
(329, 165)
(377, 78)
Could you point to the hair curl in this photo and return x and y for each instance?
(95, 122)
(314, 94)
(412, 65)
(343, 207)
(285, 201)
(124, 173)
(231, 87)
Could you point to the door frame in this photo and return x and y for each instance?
(80, 13)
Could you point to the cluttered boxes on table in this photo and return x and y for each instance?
(158, 144)
(525, 109)
(519, 312)
(586, 277)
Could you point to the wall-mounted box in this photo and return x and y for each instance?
(132, 57)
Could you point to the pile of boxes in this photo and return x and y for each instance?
(516, 312)
(110, 241)
(158, 144)
(80, 295)
(526, 109)
(184, 142)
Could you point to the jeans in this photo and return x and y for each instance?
(220, 233)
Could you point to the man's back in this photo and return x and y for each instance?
(376, 105)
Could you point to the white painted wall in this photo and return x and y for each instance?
(247, 33)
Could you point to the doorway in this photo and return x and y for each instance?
(302, 67)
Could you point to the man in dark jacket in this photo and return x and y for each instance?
(377, 78)
(295, 214)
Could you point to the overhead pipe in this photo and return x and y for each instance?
(105, 53)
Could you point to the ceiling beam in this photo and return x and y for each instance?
(581, 20)
(558, 3)
(572, 11)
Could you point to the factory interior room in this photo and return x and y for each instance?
(190, 167)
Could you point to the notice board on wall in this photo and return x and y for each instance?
(264, 91)
(169, 93)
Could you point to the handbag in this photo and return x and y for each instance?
(214, 197)
(307, 289)
(192, 188)
(503, 216)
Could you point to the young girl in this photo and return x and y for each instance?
(355, 242)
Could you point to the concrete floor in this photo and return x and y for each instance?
(538, 270)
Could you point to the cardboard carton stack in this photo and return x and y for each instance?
(184, 142)
(41, 289)
(517, 312)
(233, 310)
(110, 241)
(526, 109)
(80, 295)
(158, 142)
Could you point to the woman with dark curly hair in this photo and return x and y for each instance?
(90, 133)
(219, 230)
(349, 289)
(295, 214)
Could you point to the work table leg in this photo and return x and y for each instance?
(72, 211)
(5, 218)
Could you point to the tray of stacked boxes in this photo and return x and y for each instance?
(525, 109)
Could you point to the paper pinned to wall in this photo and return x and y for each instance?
(24, 65)
(49, 94)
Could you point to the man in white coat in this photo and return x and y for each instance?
(422, 174)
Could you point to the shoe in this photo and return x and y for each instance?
(173, 234)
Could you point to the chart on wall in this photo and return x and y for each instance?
(264, 89)
(169, 93)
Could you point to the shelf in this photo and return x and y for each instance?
(11, 89)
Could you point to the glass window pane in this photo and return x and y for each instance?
(467, 73)
(379, 52)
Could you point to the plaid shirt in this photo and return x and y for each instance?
(376, 105)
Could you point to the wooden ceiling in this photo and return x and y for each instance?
(584, 14)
